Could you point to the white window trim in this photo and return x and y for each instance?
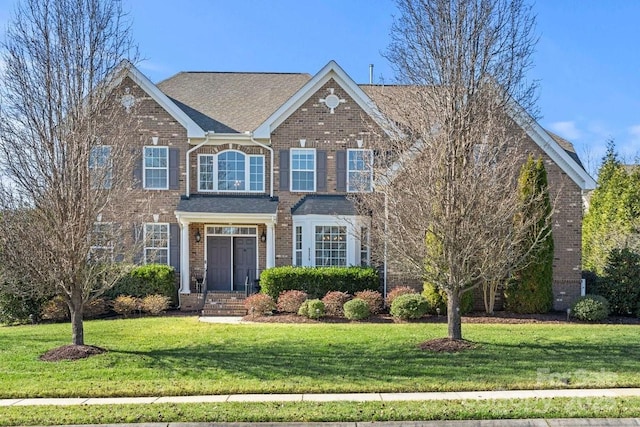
(168, 247)
(145, 168)
(370, 171)
(247, 173)
(315, 171)
(308, 224)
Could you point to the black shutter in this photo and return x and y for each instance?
(321, 170)
(284, 170)
(137, 169)
(341, 170)
(174, 246)
(174, 168)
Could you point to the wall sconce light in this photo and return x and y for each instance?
(198, 236)
(263, 237)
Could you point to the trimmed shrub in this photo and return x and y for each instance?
(143, 280)
(409, 306)
(259, 305)
(396, 292)
(356, 309)
(312, 308)
(334, 302)
(290, 301)
(16, 309)
(620, 283)
(55, 309)
(318, 281)
(96, 308)
(437, 298)
(373, 299)
(155, 304)
(126, 305)
(590, 308)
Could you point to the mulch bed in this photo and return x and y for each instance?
(71, 352)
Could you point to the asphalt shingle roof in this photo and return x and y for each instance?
(223, 204)
(226, 102)
(324, 204)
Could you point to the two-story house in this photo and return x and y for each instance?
(244, 171)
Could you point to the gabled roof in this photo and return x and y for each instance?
(330, 71)
(558, 149)
(225, 102)
(193, 130)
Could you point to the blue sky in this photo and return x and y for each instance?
(587, 59)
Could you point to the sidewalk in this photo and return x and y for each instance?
(348, 397)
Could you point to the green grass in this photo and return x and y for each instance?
(330, 411)
(181, 356)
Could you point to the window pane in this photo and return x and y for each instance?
(100, 167)
(303, 170)
(331, 246)
(360, 170)
(156, 238)
(231, 171)
(206, 173)
(256, 173)
(156, 170)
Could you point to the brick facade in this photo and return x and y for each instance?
(348, 127)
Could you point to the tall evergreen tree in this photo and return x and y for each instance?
(611, 221)
(531, 288)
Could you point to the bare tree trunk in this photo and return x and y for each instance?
(76, 313)
(454, 319)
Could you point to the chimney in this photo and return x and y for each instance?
(370, 74)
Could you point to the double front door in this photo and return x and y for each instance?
(231, 262)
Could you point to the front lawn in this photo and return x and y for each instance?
(181, 356)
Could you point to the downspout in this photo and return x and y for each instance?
(188, 171)
(271, 154)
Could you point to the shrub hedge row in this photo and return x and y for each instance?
(317, 281)
(150, 279)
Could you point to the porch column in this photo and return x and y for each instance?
(185, 273)
(271, 245)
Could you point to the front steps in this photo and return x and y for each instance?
(224, 304)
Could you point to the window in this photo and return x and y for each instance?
(156, 168)
(303, 169)
(206, 173)
(365, 253)
(156, 243)
(298, 246)
(256, 173)
(102, 242)
(331, 246)
(231, 171)
(360, 170)
(100, 167)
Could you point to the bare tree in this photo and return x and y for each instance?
(61, 133)
(448, 179)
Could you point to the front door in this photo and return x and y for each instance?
(218, 263)
(244, 262)
(231, 261)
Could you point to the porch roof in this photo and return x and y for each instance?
(229, 204)
(324, 204)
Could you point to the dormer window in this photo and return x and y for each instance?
(231, 171)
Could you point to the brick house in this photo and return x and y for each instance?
(245, 171)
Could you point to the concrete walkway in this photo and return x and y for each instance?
(348, 397)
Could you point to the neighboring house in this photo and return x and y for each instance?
(244, 171)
